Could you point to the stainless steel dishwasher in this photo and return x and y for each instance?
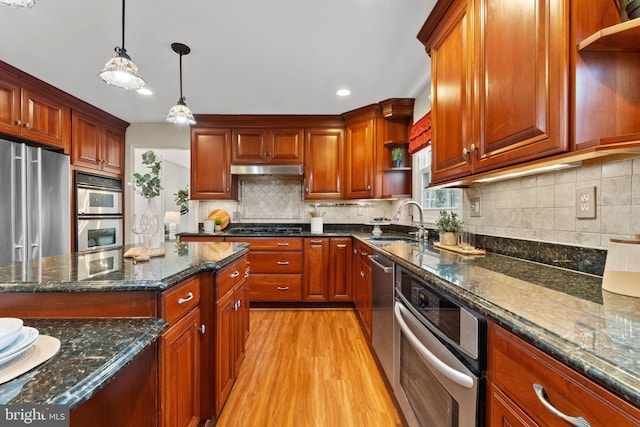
(382, 274)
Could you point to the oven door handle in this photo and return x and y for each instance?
(460, 378)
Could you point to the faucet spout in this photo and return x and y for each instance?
(421, 232)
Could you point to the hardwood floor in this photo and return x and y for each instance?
(308, 368)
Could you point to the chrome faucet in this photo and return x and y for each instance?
(421, 233)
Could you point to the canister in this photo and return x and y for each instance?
(622, 267)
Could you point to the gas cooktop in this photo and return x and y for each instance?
(265, 230)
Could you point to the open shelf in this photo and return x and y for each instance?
(622, 37)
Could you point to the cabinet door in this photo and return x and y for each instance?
(316, 270)
(210, 167)
(451, 71)
(45, 120)
(113, 149)
(180, 372)
(9, 106)
(224, 349)
(340, 269)
(522, 86)
(86, 131)
(360, 160)
(323, 163)
(249, 146)
(503, 412)
(286, 146)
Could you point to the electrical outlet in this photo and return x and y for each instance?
(586, 202)
(474, 206)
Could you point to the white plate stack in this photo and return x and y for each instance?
(22, 348)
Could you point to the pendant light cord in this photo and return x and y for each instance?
(123, 25)
(181, 97)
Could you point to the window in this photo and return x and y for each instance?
(430, 198)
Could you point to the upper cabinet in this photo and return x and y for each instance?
(360, 151)
(33, 113)
(517, 85)
(260, 146)
(323, 168)
(210, 163)
(496, 103)
(98, 141)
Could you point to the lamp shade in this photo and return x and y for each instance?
(22, 4)
(181, 114)
(121, 72)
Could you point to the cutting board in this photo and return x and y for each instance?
(222, 215)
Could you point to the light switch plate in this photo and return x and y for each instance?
(586, 203)
(474, 206)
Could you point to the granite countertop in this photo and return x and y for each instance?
(110, 271)
(564, 313)
(92, 352)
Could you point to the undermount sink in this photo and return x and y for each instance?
(392, 238)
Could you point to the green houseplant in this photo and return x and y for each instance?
(396, 157)
(448, 225)
(182, 199)
(148, 186)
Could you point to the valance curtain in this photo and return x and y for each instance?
(420, 135)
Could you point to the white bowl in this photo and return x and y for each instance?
(10, 327)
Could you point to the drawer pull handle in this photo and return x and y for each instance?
(574, 421)
(246, 275)
(188, 298)
(341, 245)
(283, 244)
(282, 288)
(316, 242)
(235, 274)
(283, 262)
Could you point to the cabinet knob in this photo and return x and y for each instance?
(18, 122)
(27, 125)
(473, 148)
(306, 189)
(355, 251)
(368, 187)
(465, 151)
(202, 329)
(362, 274)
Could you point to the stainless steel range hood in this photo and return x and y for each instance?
(295, 169)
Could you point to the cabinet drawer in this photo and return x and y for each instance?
(269, 243)
(227, 278)
(179, 300)
(275, 287)
(515, 366)
(276, 262)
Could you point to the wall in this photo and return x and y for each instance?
(543, 207)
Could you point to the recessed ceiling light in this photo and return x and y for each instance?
(144, 91)
(343, 92)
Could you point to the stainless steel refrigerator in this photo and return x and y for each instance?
(35, 202)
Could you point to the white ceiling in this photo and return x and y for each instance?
(247, 56)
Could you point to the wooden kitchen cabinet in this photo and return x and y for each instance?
(360, 149)
(362, 286)
(316, 270)
(179, 355)
(231, 328)
(340, 269)
(210, 164)
(33, 111)
(520, 112)
(515, 366)
(97, 142)
(324, 163)
(276, 268)
(260, 146)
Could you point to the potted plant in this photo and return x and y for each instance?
(633, 8)
(218, 225)
(396, 156)
(148, 186)
(449, 225)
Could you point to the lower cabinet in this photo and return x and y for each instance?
(179, 355)
(231, 328)
(362, 292)
(327, 269)
(516, 369)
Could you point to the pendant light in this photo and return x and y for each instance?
(180, 113)
(18, 4)
(120, 71)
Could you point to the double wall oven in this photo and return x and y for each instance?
(440, 349)
(99, 212)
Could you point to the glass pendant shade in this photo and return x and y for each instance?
(121, 72)
(180, 114)
(18, 4)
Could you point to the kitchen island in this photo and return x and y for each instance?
(113, 313)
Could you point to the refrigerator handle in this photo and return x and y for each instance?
(19, 202)
(35, 188)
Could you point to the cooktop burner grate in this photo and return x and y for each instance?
(266, 230)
